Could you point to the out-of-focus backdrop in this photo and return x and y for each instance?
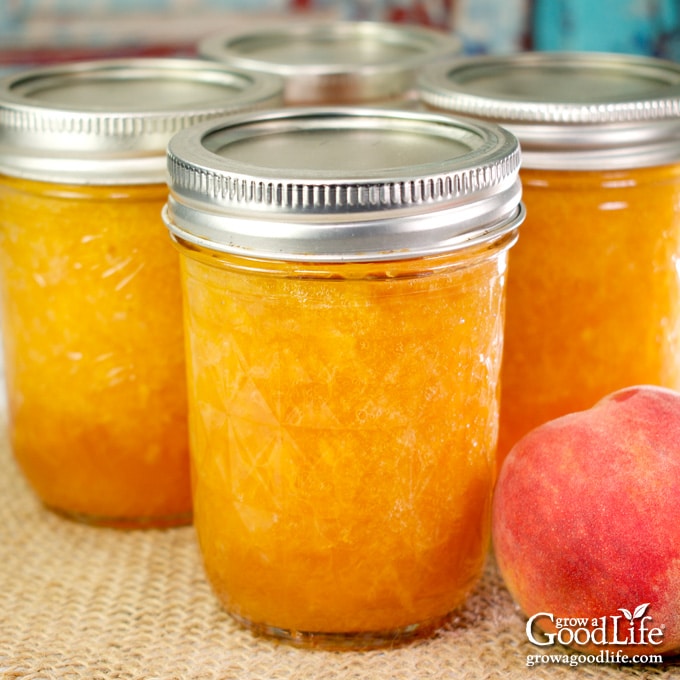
(39, 31)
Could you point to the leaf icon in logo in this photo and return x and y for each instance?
(637, 614)
(640, 610)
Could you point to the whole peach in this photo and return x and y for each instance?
(586, 525)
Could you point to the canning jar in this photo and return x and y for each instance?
(343, 274)
(89, 284)
(593, 285)
(335, 62)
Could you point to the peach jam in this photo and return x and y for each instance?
(593, 285)
(344, 275)
(89, 282)
(335, 62)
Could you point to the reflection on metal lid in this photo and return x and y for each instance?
(342, 183)
(568, 109)
(109, 121)
(348, 62)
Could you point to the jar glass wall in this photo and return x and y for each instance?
(593, 292)
(343, 428)
(593, 285)
(344, 283)
(90, 289)
(91, 294)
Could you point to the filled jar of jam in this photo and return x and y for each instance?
(344, 275)
(593, 284)
(336, 62)
(91, 296)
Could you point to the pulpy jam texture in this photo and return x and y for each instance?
(343, 424)
(92, 328)
(593, 293)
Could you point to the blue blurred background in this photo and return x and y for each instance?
(35, 31)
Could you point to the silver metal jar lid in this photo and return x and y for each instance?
(109, 121)
(342, 184)
(569, 110)
(346, 62)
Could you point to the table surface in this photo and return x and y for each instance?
(98, 604)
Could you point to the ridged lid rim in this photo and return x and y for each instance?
(558, 133)
(336, 214)
(431, 43)
(90, 143)
(322, 77)
(442, 85)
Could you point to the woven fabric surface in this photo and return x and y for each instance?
(98, 604)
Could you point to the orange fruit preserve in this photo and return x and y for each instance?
(593, 294)
(344, 284)
(91, 316)
(594, 282)
(344, 422)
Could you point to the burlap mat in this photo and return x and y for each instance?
(80, 602)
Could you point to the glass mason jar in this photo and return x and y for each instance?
(91, 297)
(339, 62)
(593, 285)
(343, 275)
